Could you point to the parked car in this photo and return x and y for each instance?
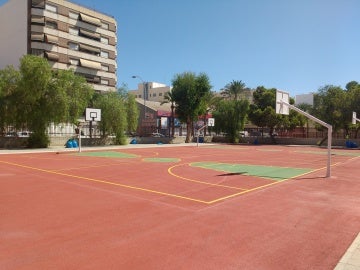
(24, 134)
(244, 133)
(156, 134)
(10, 134)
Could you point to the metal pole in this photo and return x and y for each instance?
(329, 127)
(79, 138)
(198, 132)
(328, 170)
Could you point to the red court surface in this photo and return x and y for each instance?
(179, 207)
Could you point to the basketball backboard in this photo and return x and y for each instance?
(211, 122)
(92, 114)
(281, 97)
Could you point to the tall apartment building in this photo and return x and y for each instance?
(70, 36)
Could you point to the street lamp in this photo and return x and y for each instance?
(145, 92)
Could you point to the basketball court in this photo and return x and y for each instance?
(179, 207)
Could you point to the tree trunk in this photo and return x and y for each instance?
(188, 130)
(172, 121)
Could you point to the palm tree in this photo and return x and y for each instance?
(233, 90)
(169, 98)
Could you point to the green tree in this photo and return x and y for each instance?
(189, 91)
(132, 112)
(44, 96)
(302, 119)
(353, 95)
(332, 106)
(262, 111)
(39, 102)
(113, 115)
(9, 78)
(131, 108)
(230, 116)
(76, 92)
(234, 90)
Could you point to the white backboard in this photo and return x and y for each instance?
(211, 122)
(92, 114)
(280, 107)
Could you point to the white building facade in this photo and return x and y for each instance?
(154, 91)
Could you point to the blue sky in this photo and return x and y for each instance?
(293, 45)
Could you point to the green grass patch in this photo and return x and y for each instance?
(269, 172)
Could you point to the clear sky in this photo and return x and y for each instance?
(293, 45)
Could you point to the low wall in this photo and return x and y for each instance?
(13, 142)
(16, 142)
(288, 141)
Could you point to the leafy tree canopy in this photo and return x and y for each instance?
(188, 91)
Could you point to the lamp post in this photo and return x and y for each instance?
(144, 95)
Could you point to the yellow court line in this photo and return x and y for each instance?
(260, 187)
(107, 182)
(244, 191)
(197, 181)
(341, 162)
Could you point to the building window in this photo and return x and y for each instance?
(52, 56)
(51, 24)
(38, 20)
(38, 3)
(104, 82)
(154, 94)
(89, 34)
(73, 15)
(37, 52)
(104, 68)
(74, 62)
(104, 54)
(89, 49)
(73, 46)
(160, 94)
(104, 25)
(51, 8)
(104, 40)
(39, 37)
(89, 19)
(90, 64)
(51, 39)
(74, 31)
(90, 79)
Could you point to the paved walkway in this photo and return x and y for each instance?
(351, 259)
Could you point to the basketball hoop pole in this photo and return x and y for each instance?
(79, 135)
(329, 127)
(80, 138)
(210, 123)
(198, 131)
